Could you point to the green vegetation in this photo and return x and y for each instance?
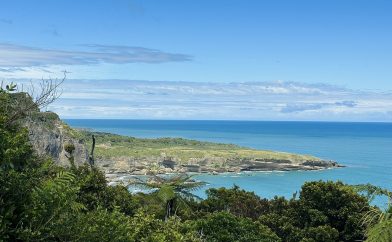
(378, 223)
(111, 146)
(172, 190)
(40, 201)
(224, 226)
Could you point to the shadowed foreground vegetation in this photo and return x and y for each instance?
(40, 201)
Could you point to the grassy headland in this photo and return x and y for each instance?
(131, 154)
(109, 146)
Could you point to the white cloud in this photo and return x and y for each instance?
(302, 107)
(17, 56)
(246, 101)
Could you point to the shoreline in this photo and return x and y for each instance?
(118, 178)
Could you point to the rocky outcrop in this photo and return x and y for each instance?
(50, 136)
(270, 166)
(211, 165)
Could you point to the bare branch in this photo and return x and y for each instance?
(48, 92)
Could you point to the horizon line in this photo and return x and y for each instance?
(232, 120)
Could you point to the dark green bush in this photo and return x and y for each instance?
(224, 226)
(239, 202)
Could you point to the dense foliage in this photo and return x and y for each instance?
(40, 201)
(172, 191)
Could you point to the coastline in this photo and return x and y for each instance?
(117, 154)
(118, 178)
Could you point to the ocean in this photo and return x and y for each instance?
(364, 148)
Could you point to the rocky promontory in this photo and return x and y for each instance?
(116, 154)
(139, 156)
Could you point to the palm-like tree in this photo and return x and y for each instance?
(378, 222)
(171, 189)
(381, 231)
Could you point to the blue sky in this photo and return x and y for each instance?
(343, 46)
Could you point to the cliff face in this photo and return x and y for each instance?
(49, 136)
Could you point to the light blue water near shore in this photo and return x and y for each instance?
(365, 148)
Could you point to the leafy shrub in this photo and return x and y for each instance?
(223, 226)
(238, 202)
(94, 192)
(324, 210)
(342, 206)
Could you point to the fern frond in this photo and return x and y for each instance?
(166, 193)
(381, 232)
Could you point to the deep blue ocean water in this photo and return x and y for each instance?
(365, 148)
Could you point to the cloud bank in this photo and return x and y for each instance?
(130, 99)
(301, 107)
(18, 56)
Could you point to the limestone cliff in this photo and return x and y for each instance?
(50, 136)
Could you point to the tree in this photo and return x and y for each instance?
(224, 226)
(325, 211)
(171, 190)
(148, 228)
(341, 205)
(18, 167)
(371, 191)
(15, 149)
(381, 231)
(20, 103)
(53, 201)
(236, 201)
(378, 222)
(94, 192)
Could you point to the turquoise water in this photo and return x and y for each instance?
(365, 148)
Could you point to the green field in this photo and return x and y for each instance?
(111, 146)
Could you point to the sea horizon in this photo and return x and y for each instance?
(232, 120)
